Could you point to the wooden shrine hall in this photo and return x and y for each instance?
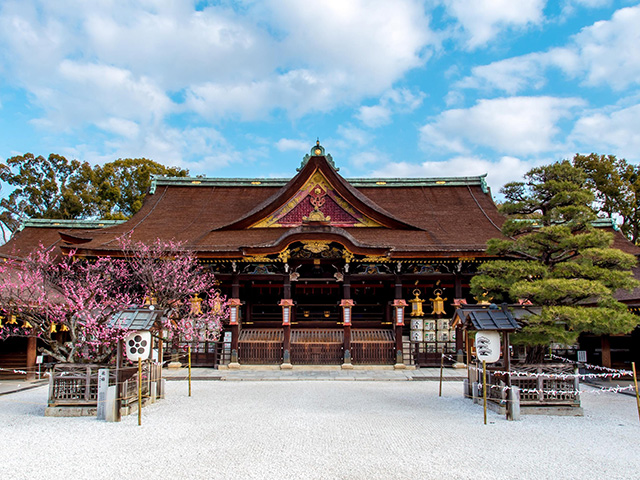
(320, 269)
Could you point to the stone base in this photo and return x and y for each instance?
(233, 366)
(71, 411)
(459, 365)
(399, 366)
(347, 366)
(174, 365)
(286, 366)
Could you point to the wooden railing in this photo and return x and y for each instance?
(203, 354)
(536, 389)
(427, 354)
(372, 347)
(317, 347)
(77, 384)
(260, 347)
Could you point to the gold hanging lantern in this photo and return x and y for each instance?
(196, 305)
(26, 324)
(64, 328)
(12, 320)
(217, 302)
(438, 303)
(52, 329)
(416, 304)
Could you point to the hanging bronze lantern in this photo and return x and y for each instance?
(438, 303)
(416, 304)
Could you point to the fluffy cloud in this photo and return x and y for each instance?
(243, 61)
(286, 144)
(614, 132)
(393, 101)
(520, 125)
(482, 20)
(600, 54)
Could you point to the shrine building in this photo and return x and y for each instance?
(320, 269)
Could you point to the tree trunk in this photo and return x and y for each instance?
(535, 354)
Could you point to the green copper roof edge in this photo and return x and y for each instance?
(356, 182)
(66, 223)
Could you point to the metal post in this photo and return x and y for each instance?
(635, 381)
(189, 370)
(441, 372)
(484, 389)
(139, 392)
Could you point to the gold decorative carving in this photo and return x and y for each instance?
(316, 246)
(284, 255)
(258, 259)
(374, 258)
(347, 255)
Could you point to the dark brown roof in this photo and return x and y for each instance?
(46, 233)
(445, 218)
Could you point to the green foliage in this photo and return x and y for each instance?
(562, 264)
(44, 188)
(55, 187)
(616, 187)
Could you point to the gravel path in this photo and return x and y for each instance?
(317, 430)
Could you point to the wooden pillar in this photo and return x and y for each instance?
(346, 287)
(398, 287)
(234, 324)
(32, 353)
(457, 285)
(605, 343)
(347, 306)
(286, 287)
(287, 308)
(399, 304)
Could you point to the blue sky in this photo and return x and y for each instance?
(392, 88)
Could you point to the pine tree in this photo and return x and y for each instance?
(557, 260)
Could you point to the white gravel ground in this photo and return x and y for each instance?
(309, 430)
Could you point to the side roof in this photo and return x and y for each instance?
(46, 232)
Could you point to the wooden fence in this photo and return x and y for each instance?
(77, 384)
(536, 389)
(373, 347)
(317, 347)
(260, 347)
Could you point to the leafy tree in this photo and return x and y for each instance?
(118, 188)
(55, 187)
(561, 263)
(44, 188)
(616, 186)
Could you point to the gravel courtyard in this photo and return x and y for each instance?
(317, 430)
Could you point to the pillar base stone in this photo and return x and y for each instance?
(233, 366)
(347, 366)
(174, 365)
(399, 366)
(286, 366)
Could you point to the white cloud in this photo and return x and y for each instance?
(243, 62)
(615, 132)
(393, 101)
(483, 20)
(368, 159)
(286, 144)
(505, 169)
(354, 136)
(601, 54)
(516, 125)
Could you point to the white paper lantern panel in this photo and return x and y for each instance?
(137, 345)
